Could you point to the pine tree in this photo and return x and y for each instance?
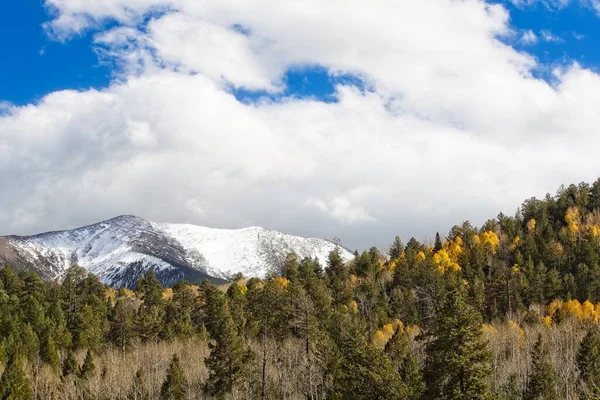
(88, 367)
(121, 331)
(70, 365)
(541, 382)
(174, 386)
(396, 249)
(457, 359)
(49, 352)
(14, 384)
(438, 243)
(150, 318)
(228, 360)
(398, 351)
(588, 360)
(357, 369)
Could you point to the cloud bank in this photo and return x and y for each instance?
(451, 123)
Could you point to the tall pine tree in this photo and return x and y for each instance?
(541, 382)
(457, 359)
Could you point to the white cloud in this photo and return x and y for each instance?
(529, 37)
(453, 126)
(578, 36)
(548, 36)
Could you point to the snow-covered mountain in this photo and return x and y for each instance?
(120, 249)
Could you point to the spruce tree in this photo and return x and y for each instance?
(14, 384)
(588, 360)
(356, 368)
(457, 359)
(396, 249)
(88, 367)
(541, 382)
(398, 351)
(70, 365)
(438, 243)
(174, 386)
(228, 360)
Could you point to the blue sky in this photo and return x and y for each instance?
(33, 64)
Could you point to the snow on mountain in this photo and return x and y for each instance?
(122, 248)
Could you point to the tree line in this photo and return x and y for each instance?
(420, 321)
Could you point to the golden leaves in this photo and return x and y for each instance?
(531, 225)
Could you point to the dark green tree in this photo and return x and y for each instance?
(229, 360)
(174, 387)
(438, 243)
(14, 384)
(588, 361)
(541, 382)
(398, 351)
(457, 363)
(88, 367)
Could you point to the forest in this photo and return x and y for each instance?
(509, 310)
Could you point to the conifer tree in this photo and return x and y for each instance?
(398, 351)
(88, 367)
(541, 382)
(150, 318)
(457, 359)
(49, 352)
(396, 249)
(70, 365)
(438, 243)
(228, 360)
(174, 386)
(588, 360)
(14, 384)
(357, 369)
(121, 330)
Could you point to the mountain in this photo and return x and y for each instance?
(120, 249)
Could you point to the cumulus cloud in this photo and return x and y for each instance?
(452, 123)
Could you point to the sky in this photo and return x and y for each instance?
(347, 118)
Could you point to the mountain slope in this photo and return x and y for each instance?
(120, 249)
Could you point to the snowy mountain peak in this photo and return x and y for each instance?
(118, 250)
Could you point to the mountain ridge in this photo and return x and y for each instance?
(119, 249)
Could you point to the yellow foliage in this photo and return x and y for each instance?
(353, 307)
(553, 307)
(243, 289)
(490, 241)
(420, 256)
(585, 312)
(383, 335)
(531, 225)
(588, 312)
(515, 269)
(127, 292)
(281, 281)
(573, 219)
(111, 294)
(445, 262)
(489, 329)
(515, 243)
(476, 239)
(167, 293)
(546, 321)
(515, 327)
